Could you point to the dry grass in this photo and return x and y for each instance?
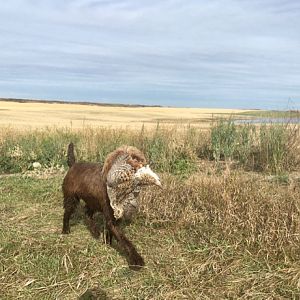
(36, 115)
(214, 233)
(218, 234)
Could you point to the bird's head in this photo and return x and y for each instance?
(146, 176)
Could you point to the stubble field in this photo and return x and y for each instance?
(36, 115)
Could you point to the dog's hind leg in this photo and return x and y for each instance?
(70, 204)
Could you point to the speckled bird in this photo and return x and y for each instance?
(124, 182)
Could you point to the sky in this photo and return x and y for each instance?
(185, 53)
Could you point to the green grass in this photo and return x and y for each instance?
(272, 114)
(168, 149)
(227, 236)
(267, 148)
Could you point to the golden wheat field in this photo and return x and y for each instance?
(36, 114)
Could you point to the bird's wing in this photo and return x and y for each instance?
(118, 184)
(121, 197)
(122, 186)
(120, 172)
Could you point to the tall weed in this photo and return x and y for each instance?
(224, 140)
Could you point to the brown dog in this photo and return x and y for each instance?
(87, 181)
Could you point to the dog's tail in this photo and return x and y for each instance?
(71, 156)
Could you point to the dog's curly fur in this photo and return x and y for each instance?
(87, 181)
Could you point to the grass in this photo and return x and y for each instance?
(167, 149)
(272, 148)
(269, 148)
(229, 234)
(273, 114)
(222, 227)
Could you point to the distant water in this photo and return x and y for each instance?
(269, 121)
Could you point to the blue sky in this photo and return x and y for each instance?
(194, 53)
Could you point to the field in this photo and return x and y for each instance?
(34, 115)
(226, 224)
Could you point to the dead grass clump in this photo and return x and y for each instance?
(241, 210)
